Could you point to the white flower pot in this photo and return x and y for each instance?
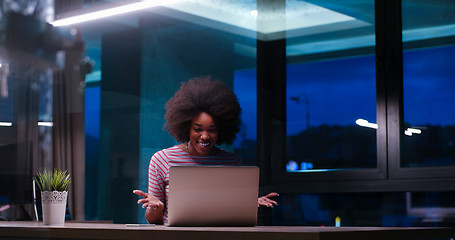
(54, 207)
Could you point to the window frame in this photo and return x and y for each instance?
(388, 176)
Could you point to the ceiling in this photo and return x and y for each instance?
(275, 18)
(311, 26)
(286, 18)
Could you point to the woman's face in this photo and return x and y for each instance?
(203, 135)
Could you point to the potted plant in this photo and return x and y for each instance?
(54, 192)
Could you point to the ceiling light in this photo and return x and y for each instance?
(254, 13)
(127, 8)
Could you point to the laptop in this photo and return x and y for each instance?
(213, 195)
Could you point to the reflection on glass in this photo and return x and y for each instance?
(431, 206)
(379, 209)
(6, 96)
(428, 85)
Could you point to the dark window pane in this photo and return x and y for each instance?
(325, 99)
(428, 135)
(245, 144)
(331, 89)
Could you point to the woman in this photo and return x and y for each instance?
(202, 114)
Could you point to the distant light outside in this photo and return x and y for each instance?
(365, 123)
(410, 131)
(414, 130)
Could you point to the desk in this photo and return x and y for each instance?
(36, 230)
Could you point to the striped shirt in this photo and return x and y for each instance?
(162, 160)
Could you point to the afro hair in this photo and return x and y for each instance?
(202, 94)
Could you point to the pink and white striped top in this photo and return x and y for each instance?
(162, 160)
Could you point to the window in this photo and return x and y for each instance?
(331, 113)
(397, 96)
(428, 134)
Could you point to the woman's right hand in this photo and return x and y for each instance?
(149, 201)
(154, 212)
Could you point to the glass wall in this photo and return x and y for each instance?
(139, 62)
(426, 148)
(331, 88)
(25, 130)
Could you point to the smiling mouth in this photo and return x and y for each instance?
(205, 144)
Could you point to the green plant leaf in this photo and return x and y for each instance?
(56, 180)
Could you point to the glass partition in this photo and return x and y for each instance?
(26, 82)
(140, 60)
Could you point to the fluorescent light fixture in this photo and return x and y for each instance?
(46, 124)
(127, 8)
(365, 123)
(6, 124)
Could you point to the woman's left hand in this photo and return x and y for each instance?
(266, 201)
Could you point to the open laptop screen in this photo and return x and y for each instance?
(213, 195)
